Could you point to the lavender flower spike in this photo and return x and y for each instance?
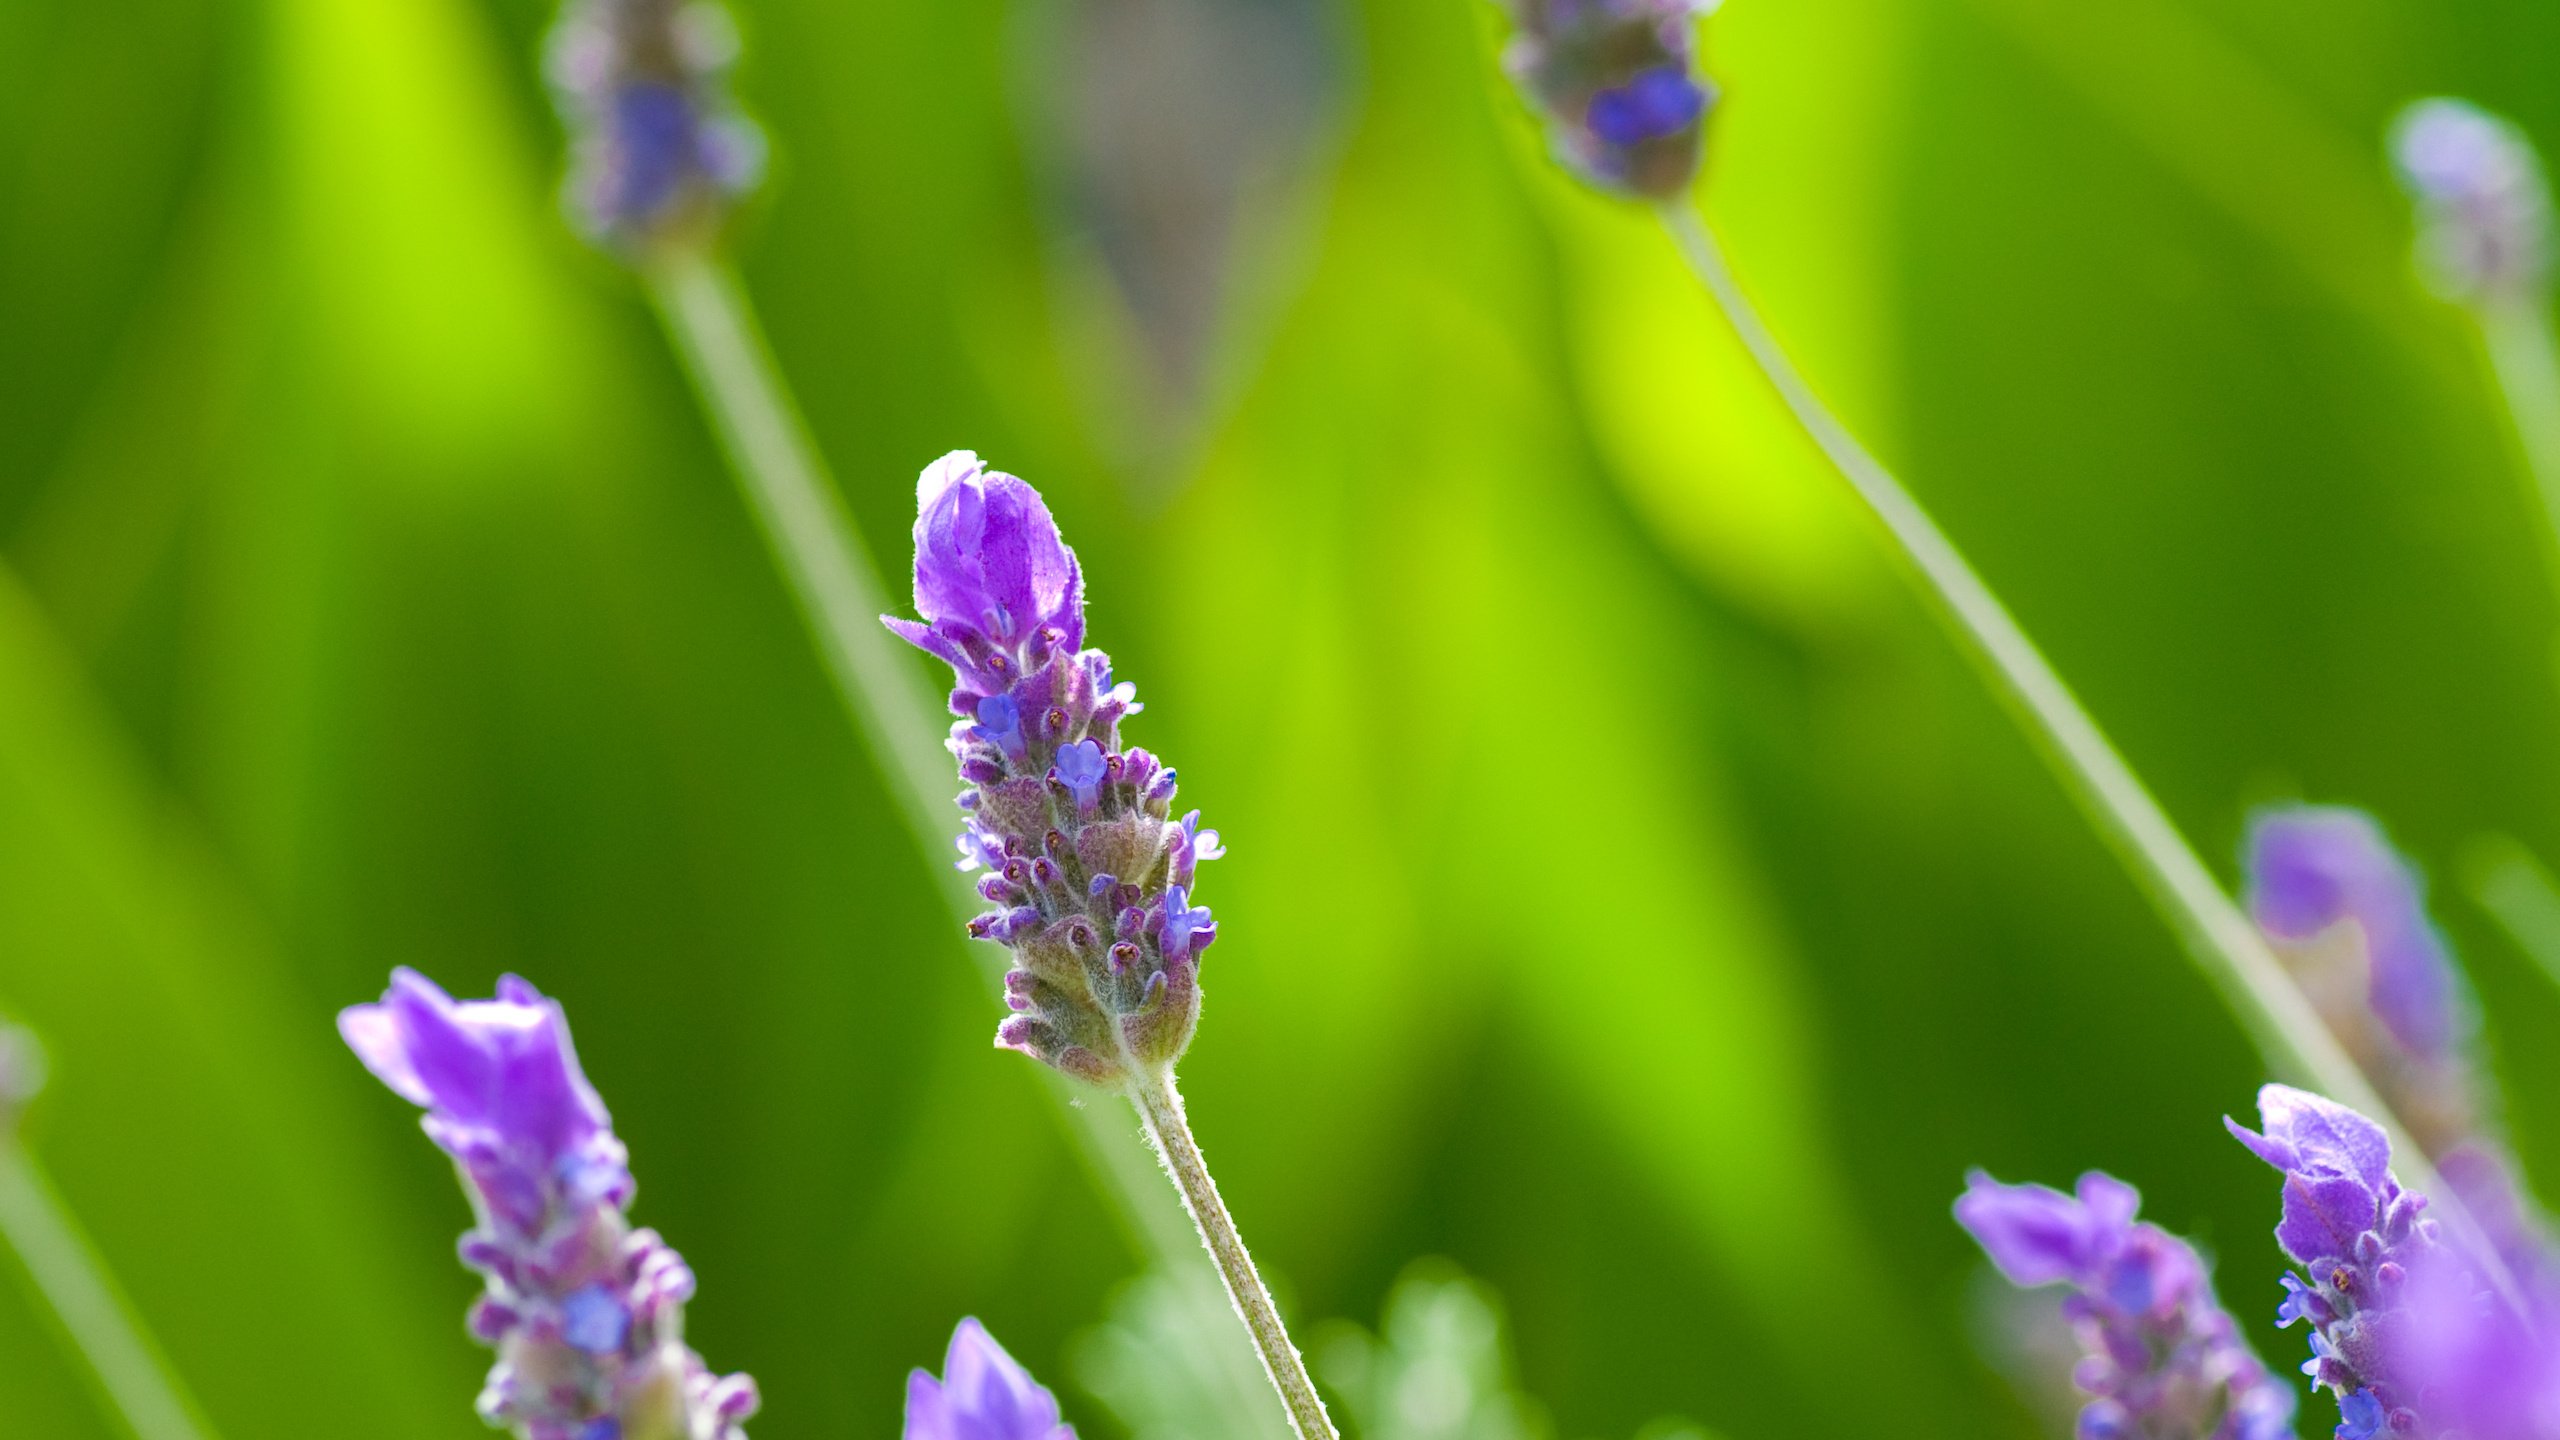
(586, 1313)
(2163, 1360)
(1616, 81)
(2314, 866)
(2484, 213)
(661, 152)
(1090, 872)
(2405, 1330)
(982, 1395)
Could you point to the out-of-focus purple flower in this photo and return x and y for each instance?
(2312, 867)
(1617, 83)
(982, 1395)
(2163, 1359)
(586, 1313)
(660, 151)
(2484, 213)
(1090, 875)
(2406, 1330)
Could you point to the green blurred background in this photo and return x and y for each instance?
(1633, 898)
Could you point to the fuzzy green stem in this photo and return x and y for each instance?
(1159, 1106)
(2288, 1033)
(829, 570)
(133, 1378)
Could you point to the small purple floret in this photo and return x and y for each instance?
(2163, 1359)
(983, 1395)
(1082, 769)
(574, 1295)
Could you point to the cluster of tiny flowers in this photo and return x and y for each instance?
(1090, 872)
(1617, 82)
(982, 1395)
(2484, 213)
(586, 1313)
(659, 149)
(2162, 1359)
(2348, 915)
(2406, 1331)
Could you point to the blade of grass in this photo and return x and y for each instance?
(134, 1380)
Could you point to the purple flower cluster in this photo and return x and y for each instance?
(1090, 873)
(982, 1395)
(2484, 213)
(660, 149)
(2406, 1330)
(586, 1313)
(2163, 1361)
(2314, 867)
(1617, 82)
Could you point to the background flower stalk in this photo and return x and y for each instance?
(2270, 1007)
(135, 1382)
(2483, 210)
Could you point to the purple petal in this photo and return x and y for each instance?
(2323, 1215)
(2034, 1234)
(2325, 1132)
(928, 1410)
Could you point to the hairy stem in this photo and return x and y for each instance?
(829, 570)
(1160, 1107)
(131, 1375)
(2287, 1031)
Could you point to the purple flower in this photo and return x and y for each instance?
(660, 150)
(586, 1313)
(2314, 867)
(998, 589)
(1090, 875)
(2405, 1329)
(1616, 81)
(2163, 1359)
(2484, 214)
(982, 1395)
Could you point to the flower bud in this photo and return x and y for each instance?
(2484, 213)
(659, 151)
(1617, 83)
